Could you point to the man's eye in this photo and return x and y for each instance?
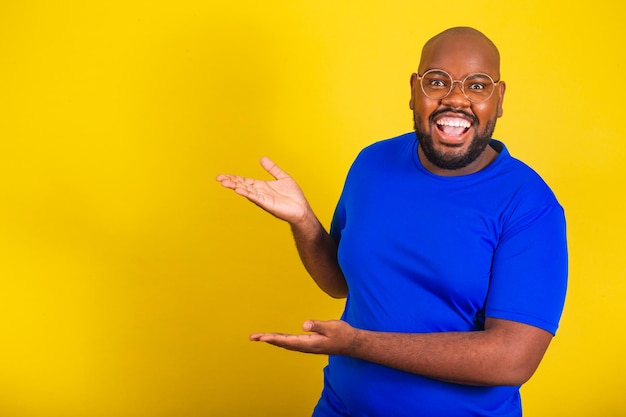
(476, 86)
(437, 83)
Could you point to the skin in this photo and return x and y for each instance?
(505, 352)
(460, 51)
(284, 199)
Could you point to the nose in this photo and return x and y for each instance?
(456, 97)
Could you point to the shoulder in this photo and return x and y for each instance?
(520, 178)
(521, 196)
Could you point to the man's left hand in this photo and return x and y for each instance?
(334, 337)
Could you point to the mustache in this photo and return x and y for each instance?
(436, 113)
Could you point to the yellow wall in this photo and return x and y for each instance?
(129, 280)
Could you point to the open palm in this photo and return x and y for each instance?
(281, 197)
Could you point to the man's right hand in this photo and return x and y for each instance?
(282, 197)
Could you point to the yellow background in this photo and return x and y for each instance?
(130, 279)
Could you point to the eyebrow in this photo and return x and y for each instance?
(458, 79)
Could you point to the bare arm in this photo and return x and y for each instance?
(284, 199)
(318, 252)
(505, 353)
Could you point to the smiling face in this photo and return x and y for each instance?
(454, 132)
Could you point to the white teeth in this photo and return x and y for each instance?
(454, 123)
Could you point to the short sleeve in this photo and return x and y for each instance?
(529, 274)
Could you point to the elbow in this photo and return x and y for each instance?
(337, 288)
(499, 375)
(519, 348)
(516, 371)
(338, 293)
(518, 376)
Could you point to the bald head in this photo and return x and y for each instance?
(469, 45)
(462, 55)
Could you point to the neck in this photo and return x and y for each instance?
(483, 160)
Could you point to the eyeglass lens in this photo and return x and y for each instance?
(437, 84)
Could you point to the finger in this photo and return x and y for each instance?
(230, 181)
(265, 335)
(225, 180)
(300, 342)
(235, 179)
(241, 185)
(308, 326)
(315, 326)
(273, 169)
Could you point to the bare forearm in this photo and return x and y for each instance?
(450, 357)
(318, 252)
(489, 357)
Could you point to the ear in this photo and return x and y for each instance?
(501, 90)
(413, 82)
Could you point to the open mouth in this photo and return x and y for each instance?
(453, 127)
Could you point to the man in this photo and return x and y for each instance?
(451, 253)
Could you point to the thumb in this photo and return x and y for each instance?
(311, 326)
(273, 169)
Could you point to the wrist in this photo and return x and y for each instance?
(356, 341)
(307, 226)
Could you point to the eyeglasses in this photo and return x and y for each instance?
(438, 84)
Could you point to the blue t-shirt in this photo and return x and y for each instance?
(424, 253)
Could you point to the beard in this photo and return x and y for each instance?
(453, 160)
